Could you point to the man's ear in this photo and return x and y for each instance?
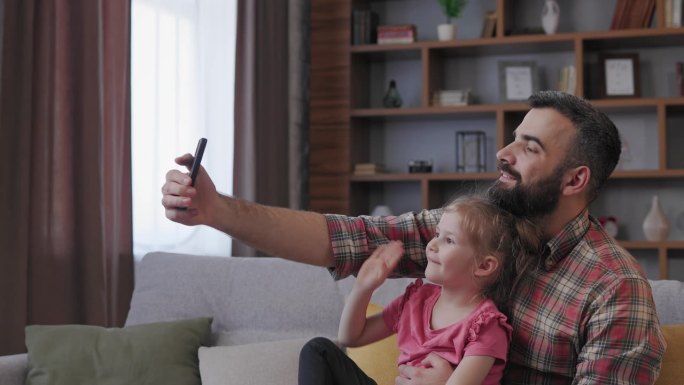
(486, 266)
(576, 180)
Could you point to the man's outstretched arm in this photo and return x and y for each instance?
(295, 235)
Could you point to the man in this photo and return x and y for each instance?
(587, 314)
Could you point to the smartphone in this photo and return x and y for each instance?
(199, 152)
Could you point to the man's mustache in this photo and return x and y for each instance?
(505, 167)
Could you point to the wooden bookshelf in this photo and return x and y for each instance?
(346, 120)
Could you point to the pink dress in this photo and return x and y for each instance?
(484, 332)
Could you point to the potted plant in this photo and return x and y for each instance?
(453, 10)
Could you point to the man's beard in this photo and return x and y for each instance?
(533, 201)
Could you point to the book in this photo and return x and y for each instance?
(368, 168)
(572, 80)
(451, 98)
(676, 18)
(396, 40)
(633, 14)
(568, 80)
(668, 13)
(489, 24)
(364, 24)
(679, 72)
(620, 7)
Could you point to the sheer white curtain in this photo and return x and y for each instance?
(182, 74)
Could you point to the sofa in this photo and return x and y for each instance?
(263, 309)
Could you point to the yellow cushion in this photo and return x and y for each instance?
(379, 359)
(672, 372)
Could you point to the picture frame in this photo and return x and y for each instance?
(619, 75)
(517, 80)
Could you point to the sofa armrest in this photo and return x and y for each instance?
(13, 369)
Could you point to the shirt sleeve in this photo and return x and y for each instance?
(489, 336)
(353, 239)
(625, 344)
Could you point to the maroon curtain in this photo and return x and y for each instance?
(261, 106)
(65, 228)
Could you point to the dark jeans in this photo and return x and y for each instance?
(321, 362)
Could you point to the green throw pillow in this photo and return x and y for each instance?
(163, 353)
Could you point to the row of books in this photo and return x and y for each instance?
(633, 14)
(568, 80)
(396, 34)
(673, 13)
(364, 27)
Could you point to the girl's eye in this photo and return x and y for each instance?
(450, 241)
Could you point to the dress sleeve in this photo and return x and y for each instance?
(489, 335)
(353, 239)
(624, 342)
(392, 312)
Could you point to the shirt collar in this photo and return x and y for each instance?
(560, 246)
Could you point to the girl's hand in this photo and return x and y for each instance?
(379, 265)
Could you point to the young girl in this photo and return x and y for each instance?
(473, 261)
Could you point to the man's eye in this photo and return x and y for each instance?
(530, 149)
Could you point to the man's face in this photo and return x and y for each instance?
(532, 166)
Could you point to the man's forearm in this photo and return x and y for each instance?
(295, 235)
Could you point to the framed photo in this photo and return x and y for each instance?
(517, 80)
(619, 75)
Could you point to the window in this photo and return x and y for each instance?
(182, 85)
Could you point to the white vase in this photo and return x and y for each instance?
(550, 16)
(656, 225)
(381, 211)
(446, 32)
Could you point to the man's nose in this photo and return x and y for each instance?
(506, 154)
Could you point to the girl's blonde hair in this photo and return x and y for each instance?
(514, 241)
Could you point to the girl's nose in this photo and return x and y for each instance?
(432, 245)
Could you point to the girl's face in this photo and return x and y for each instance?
(451, 257)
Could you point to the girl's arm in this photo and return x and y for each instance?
(472, 370)
(355, 328)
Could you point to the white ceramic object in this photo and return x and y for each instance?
(550, 16)
(446, 32)
(381, 211)
(656, 225)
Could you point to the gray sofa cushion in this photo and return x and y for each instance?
(278, 298)
(669, 296)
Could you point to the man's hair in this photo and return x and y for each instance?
(597, 143)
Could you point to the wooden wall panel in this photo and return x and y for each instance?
(329, 110)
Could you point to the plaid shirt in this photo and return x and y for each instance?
(586, 317)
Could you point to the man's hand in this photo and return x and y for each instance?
(436, 371)
(379, 265)
(177, 193)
